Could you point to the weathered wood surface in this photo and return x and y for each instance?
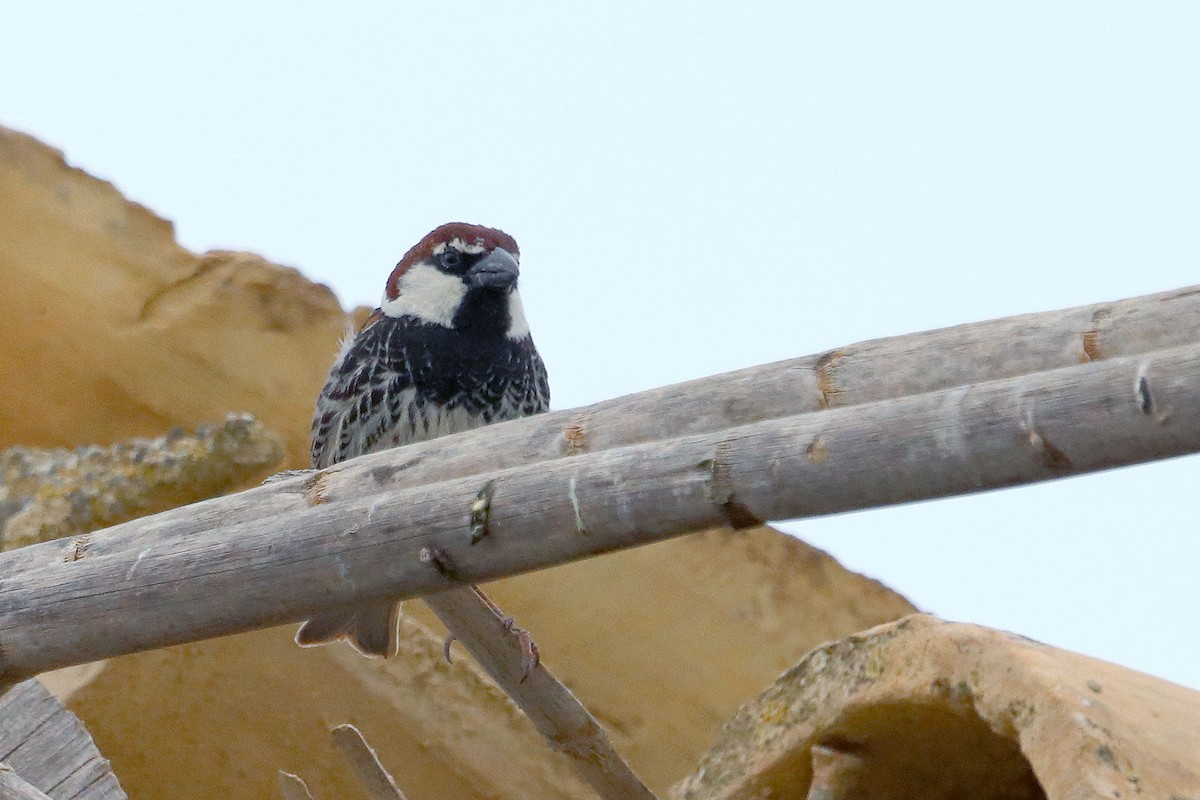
(14, 787)
(874, 370)
(293, 787)
(149, 583)
(47, 747)
(566, 724)
(376, 780)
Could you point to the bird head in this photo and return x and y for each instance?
(460, 276)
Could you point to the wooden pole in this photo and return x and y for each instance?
(879, 369)
(153, 582)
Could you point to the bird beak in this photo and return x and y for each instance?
(497, 270)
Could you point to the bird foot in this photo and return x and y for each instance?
(530, 657)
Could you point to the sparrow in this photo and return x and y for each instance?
(447, 350)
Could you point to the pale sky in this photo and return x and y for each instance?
(698, 187)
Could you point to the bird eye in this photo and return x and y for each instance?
(451, 258)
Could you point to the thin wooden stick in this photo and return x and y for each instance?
(174, 587)
(375, 779)
(293, 787)
(558, 715)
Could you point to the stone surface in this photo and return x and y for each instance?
(50, 493)
(117, 332)
(923, 708)
(661, 643)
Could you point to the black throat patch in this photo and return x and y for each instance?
(484, 313)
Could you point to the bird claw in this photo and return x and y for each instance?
(530, 657)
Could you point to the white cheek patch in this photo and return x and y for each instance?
(427, 294)
(518, 327)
